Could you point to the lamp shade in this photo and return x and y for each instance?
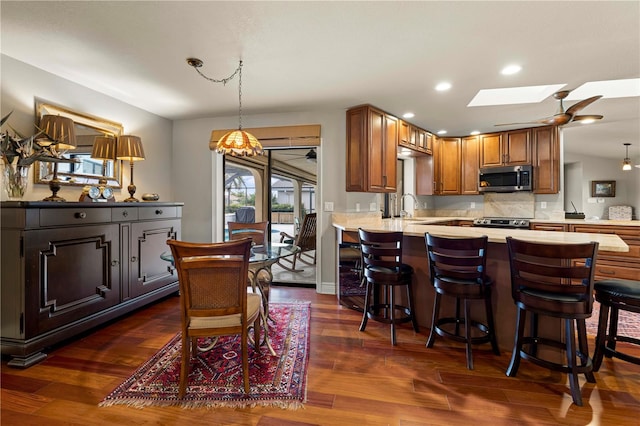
(239, 143)
(60, 130)
(104, 148)
(130, 148)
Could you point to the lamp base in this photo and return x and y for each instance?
(131, 200)
(132, 190)
(54, 186)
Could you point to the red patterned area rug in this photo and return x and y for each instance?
(216, 376)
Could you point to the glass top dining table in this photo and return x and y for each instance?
(260, 254)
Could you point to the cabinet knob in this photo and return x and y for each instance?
(115, 262)
(125, 213)
(80, 215)
(134, 259)
(158, 211)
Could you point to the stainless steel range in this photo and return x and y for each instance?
(497, 222)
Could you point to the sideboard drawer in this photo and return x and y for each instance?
(124, 214)
(160, 212)
(74, 216)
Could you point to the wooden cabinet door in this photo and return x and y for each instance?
(404, 134)
(375, 152)
(390, 163)
(491, 153)
(437, 169)
(546, 160)
(72, 272)
(356, 149)
(424, 175)
(470, 148)
(517, 147)
(147, 271)
(429, 142)
(450, 166)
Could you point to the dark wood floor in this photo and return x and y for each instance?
(354, 378)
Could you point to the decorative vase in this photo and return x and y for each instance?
(15, 180)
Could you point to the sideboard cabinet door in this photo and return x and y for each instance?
(72, 273)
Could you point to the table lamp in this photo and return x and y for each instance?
(104, 148)
(61, 137)
(130, 149)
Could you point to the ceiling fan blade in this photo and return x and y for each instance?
(587, 117)
(573, 109)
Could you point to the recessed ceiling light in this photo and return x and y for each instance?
(475, 132)
(442, 132)
(514, 95)
(444, 86)
(608, 89)
(511, 69)
(408, 115)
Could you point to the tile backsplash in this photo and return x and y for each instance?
(513, 204)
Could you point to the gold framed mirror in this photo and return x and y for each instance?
(88, 171)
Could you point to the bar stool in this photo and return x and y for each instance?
(615, 295)
(384, 271)
(554, 280)
(458, 269)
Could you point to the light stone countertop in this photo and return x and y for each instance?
(418, 226)
(605, 222)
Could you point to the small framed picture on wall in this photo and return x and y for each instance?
(603, 188)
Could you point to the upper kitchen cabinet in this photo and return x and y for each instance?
(469, 173)
(449, 161)
(372, 139)
(546, 160)
(505, 149)
(414, 138)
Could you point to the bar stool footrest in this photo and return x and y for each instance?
(406, 316)
(585, 367)
(486, 337)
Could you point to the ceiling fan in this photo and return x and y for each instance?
(311, 155)
(562, 117)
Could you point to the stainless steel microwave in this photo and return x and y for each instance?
(506, 179)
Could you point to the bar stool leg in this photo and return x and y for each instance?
(367, 300)
(584, 349)
(512, 370)
(601, 337)
(467, 333)
(613, 331)
(414, 320)
(434, 319)
(392, 314)
(572, 362)
(491, 323)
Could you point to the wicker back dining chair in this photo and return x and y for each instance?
(214, 299)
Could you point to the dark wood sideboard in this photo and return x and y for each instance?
(69, 267)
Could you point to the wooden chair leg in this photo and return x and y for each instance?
(467, 332)
(256, 334)
(434, 320)
(367, 302)
(601, 337)
(184, 367)
(512, 370)
(574, 385)
(491, 323)
(245, 362)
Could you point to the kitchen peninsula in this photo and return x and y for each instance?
(414, 254)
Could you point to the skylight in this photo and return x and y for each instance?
(514, 95)
(607, 88)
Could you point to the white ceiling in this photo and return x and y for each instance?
(309, 55)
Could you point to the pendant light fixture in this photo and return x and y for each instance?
(626, 163)
(237, 142)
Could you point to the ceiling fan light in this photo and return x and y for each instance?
(626, 164)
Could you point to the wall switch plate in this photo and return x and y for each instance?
(373, 207)
(473, 205)
(543, 205)
(592, 201)
(600, 200)
(328, 206)
(357, 207)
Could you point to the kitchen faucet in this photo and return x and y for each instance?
(403, 212)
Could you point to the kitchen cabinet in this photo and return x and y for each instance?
(372, 139)
(449, 166)
(470, 157)
(511, 148)
(620, 265)
(414, 138)
(556, 227)
(546, 160)
(425, 184)
(69, 267)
